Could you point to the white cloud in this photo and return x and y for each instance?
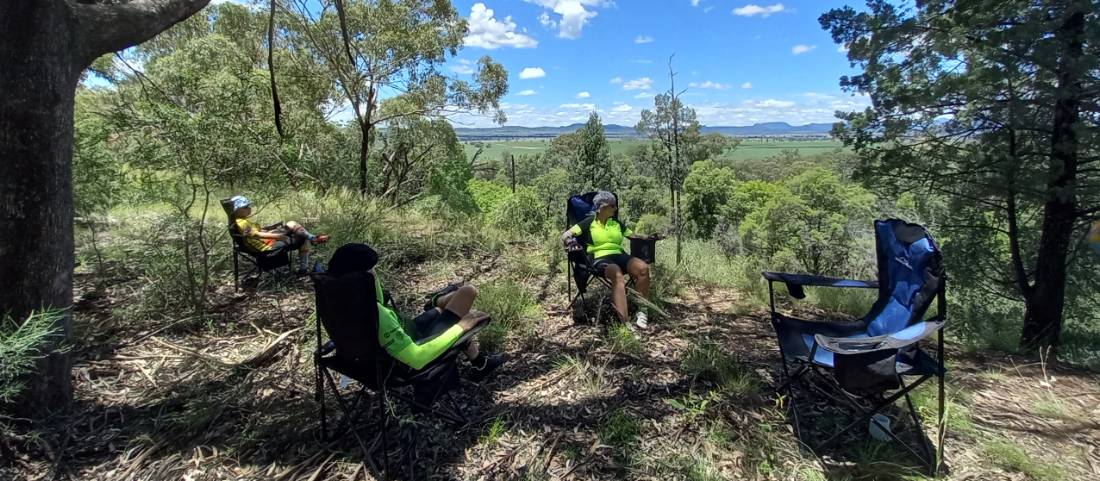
(621, 107)
(616, 81)
(708, 9)
(644, 95)
(752, 10)
(585, 107)
(546, 21)
(532, 72)
(640, 39)
(527, 93)
(574, 15)
(583, 95)
(801, 49)
(490, 33)
(842, 48)
(770, 104)
(644, 83)
(695, 3)
(641, 61)
(709, 85)
(464, 67)
(746, 85)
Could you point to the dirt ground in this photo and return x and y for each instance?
(232, 397)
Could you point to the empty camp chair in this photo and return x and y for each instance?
(347, 312)
(579, 268)
(260, 262)
(878, 359)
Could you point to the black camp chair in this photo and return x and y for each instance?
(869, 360)
(346, 309)
(579, 268)
(260, 262)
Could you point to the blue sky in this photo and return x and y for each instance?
(742, 62)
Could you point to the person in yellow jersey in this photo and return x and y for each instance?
(285, 236)
(601, 234)
(433, 332)
(1094, 237)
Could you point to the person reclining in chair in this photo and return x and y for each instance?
(283, 237)
(437, 328)
(602, 234)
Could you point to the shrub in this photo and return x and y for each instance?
(487, 195)
(514, 311)
(21, 345)
(521, 213)
(619, 430)
(653, 224)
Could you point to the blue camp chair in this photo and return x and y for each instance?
(579, 268)
(870, 359)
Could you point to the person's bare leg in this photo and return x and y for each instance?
(460, 301)
(639, 270)
(472, 350)
(618, 290)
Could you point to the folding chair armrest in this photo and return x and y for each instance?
(795, 282)
(898, 340)
(828, 328)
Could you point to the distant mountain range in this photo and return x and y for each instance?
(767, 129)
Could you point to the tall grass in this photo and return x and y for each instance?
(514, 311)
(22, 345)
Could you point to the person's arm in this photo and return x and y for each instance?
(571, 233)
(247, 231)
(396, 342)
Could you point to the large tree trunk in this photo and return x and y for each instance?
(44, 46)
(1043, 319)
(36, 205)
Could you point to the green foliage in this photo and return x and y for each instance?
(708, 361)
(487, 195)
(496, 429)
(449, 180)
(514, 312)
(21, 345)
(1013, 457)
(653, 224)
(811, 226)
(621, 338)
(707, 192)
(521, 213)
(620, 430)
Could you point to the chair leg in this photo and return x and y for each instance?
(919, 426)
(319, 396)
(940, 427)
(236, 271)
(385, 433)
(789, 385)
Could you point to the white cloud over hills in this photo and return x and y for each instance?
(489, 33)
(572, 15)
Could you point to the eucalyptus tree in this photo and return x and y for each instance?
(380, 49)
(45, 46)
(993, 104)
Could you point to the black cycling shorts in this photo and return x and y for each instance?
(620, 260)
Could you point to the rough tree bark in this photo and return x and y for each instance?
(1043, 317)
(45, 46)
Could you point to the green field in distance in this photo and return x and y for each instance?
(748, 149)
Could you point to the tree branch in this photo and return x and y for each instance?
(104, 28)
